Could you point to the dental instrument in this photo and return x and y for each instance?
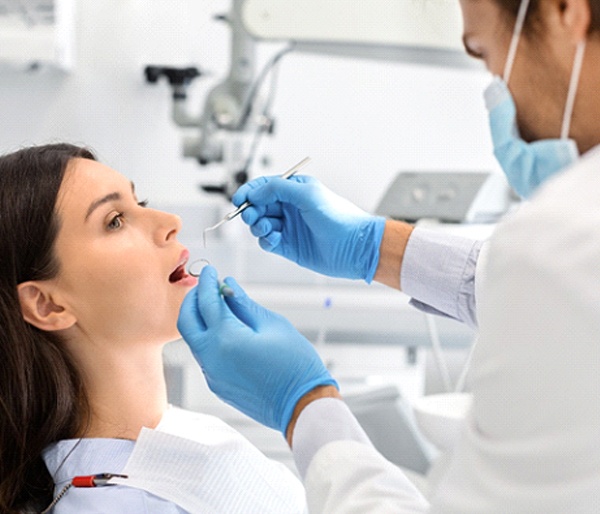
(224, 289)
(228, 217)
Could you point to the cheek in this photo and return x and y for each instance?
(540, 109)
(496, 46)
(135, 301)
(495, 64)
(105, 274)
(137, 283)
(539, 84)
(97, 276)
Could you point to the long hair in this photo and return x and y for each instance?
(42, 399)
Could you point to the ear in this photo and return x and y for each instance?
(40, 309)
(576, 17)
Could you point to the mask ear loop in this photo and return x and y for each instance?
(576, 73)
(514, 42)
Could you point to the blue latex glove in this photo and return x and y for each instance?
(252, 358)
(305, 222)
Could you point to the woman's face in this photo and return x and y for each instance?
(117, 259)
(541, 71)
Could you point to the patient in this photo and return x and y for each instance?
(91, 285)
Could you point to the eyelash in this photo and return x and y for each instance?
(119, 216)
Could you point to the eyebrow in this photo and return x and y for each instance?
(111, 197)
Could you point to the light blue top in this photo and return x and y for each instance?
(91, 457)
(438, 272)
(190, 463)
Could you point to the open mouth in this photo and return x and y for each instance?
(178, 274)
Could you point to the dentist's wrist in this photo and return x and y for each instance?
(391, 253)
(327, 391)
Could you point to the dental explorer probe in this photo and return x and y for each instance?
(228, 217)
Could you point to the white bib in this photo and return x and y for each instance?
(204, 466)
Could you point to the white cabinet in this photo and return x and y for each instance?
(37, 33)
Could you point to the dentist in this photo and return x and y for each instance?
(530, 441)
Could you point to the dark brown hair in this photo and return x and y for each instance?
(42, 399)
(511, 7)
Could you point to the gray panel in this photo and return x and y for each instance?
(31, 12)
(445, 196)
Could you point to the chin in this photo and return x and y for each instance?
(166, 331)
(168, 328)
(173, 333)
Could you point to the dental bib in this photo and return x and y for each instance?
(203, 465)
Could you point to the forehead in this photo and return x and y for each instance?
(85, 181)
(481, 17)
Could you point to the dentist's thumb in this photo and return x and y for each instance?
(244, 308)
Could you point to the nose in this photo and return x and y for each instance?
(167, 227)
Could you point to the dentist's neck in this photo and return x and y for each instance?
(585, 127)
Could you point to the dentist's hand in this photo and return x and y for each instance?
(252, 358)
(305, 222)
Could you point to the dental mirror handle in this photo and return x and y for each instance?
(289, 173)
(245, 205)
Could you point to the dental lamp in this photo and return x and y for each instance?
(416, 31)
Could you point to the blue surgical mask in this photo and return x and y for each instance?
(527, 165)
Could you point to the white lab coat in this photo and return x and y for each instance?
(531, 443)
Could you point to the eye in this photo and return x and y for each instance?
(116, 222)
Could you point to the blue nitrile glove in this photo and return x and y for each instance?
(302, 220)
(252, 358)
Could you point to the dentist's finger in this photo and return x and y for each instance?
(210, 303)
(245, 308)
(190, 321)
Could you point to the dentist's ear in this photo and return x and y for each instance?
(40, 309)
(576, 17)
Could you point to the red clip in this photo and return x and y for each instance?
(94, 480)
(84, 481)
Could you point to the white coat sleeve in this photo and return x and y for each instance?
(342, 470)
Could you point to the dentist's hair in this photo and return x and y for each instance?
(531, 22)
(42, 399)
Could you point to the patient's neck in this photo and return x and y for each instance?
(126, 391)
